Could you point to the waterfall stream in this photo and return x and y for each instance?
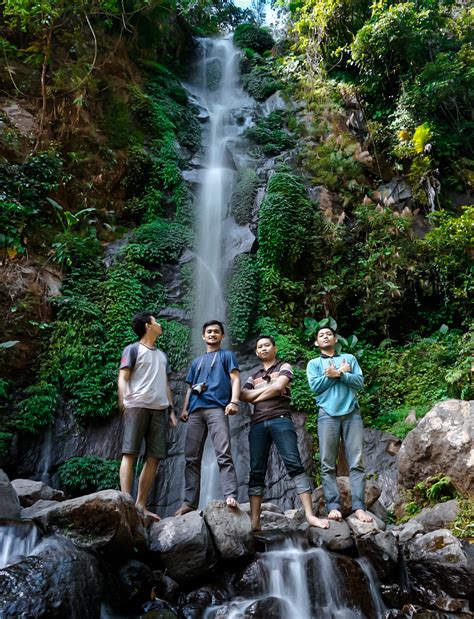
(17, 539)
(298, 583)
(218, 92)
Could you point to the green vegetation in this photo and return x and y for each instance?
(252, 37)
(87, 474)
(244, 195)
(270, 135)
(242, 297)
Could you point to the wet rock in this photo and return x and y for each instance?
(29, 492)
(59, 581)
(194, 603)
(381, 463)
(9, 502)
(23, 120)
(409, 530)
(251, 580)
(443, 441)
(230, 529)
(272, 520)
(441, 516)
(106, 520)
(379, 510)
(36, 508)
(337, 537)
(237, 240)
(363, 528)
(158, 609)
(136, 582)
(267, 607)
(437, 565)
(183, 546)
(165, 587)
(381, 549)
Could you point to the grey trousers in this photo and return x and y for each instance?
(200, 422)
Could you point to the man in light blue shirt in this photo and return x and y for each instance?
(335, 379)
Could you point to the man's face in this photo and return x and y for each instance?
(154, 326)
(326, 339)
(266, 351)
(213, 335)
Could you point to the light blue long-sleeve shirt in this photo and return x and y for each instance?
(336, 396)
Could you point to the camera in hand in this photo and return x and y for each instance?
(199, 388)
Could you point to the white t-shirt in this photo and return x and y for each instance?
(146, 387)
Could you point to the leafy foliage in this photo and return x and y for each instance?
(243, 196)
(270, 135)
(242, 297)
(85, 474)
(251, 36)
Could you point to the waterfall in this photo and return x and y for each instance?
(17, 539)
(306, 584)
(219, 93)
(374, 586)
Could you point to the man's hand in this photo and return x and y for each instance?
(121, 407)
(345, 367)
(331, 371)
(184, 416)
(232, 408)
(172, 419)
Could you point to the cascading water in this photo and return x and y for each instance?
(306, 584)
(17, 539)
(218, 91)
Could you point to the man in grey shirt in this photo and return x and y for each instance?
(145, 398)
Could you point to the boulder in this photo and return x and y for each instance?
(29, 492)
(408, 531)
(442, 442)
(36, 508)
(106, 520)
(337, 537)
(441, 516)
(58, 581)
(9, 502)
(363, 528)
(183, 546)
(381, 550)
(381, 463)
(438, 566)
(230, 529)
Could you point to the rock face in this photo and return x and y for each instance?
(106, 520)
(443, 442)
(437, 565)
(183, 546)
(380, 457)
(58, 581)
(440, 516)
(9, 503)
(230, 529)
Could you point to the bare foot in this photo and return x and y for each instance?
(146, 513)
(231, 502)
(184, 509)
(317, 522)
(335, 514)
(362, 515)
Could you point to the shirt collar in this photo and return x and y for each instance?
(336, 354)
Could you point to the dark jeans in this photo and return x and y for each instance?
(200, 422)
(281, 431)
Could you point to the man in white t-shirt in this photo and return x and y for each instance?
(145, 398)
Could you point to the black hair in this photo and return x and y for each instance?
(330, 329)
(213, 322)
(139, 321)
(265, 337)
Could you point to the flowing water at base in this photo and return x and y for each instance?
(304, 584)
(17, 540)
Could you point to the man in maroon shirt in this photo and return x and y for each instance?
(268, 390)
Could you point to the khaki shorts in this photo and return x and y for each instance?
(145, 423)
